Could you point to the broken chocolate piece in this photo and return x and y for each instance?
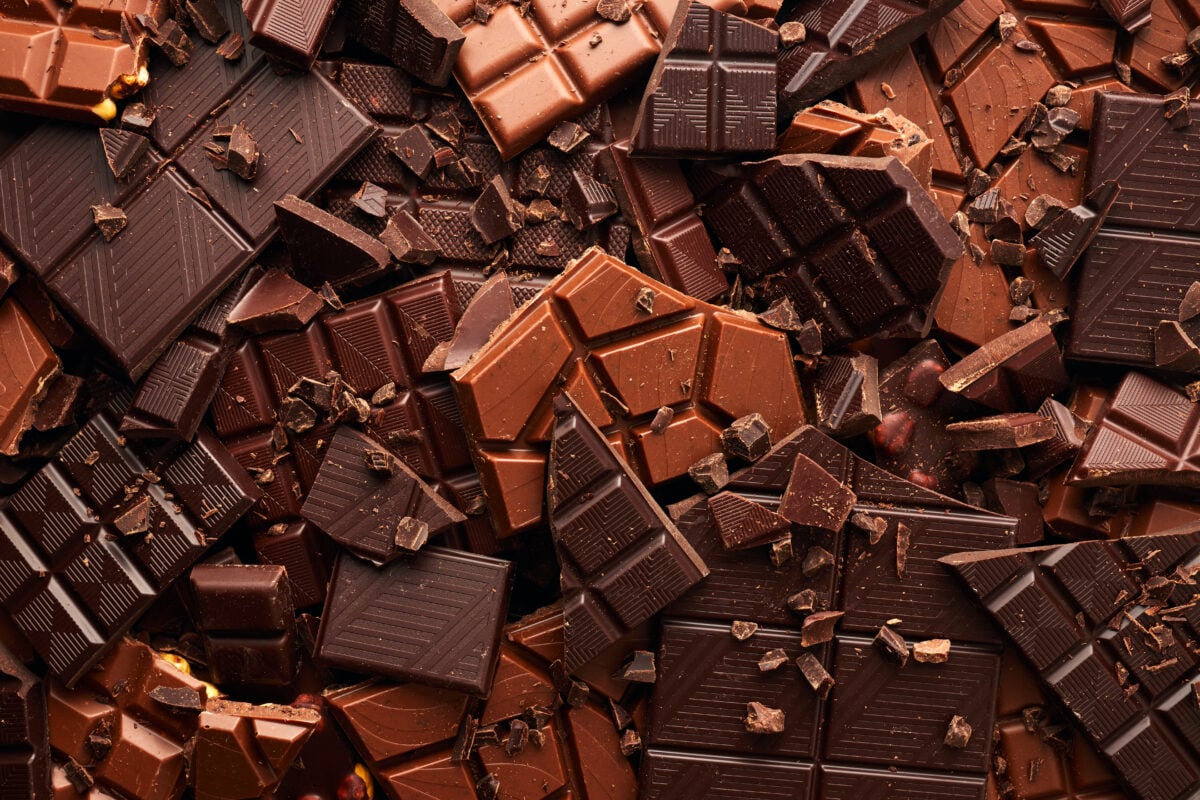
(747, 438)
(763, 719)
(276, 302)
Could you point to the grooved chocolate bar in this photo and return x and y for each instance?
(373, 342)
(622, 346)
(845, 38)
(434, 618)
(135, 294)
(526, 70)
(1111, 629)
(24, 746)
(1136, 269)
(713, 88)
(88, 543)
(880, 732)
(291, 32)
(414, 34)
(854, 243)
(621, 559)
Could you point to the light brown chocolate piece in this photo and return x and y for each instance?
(27, 366)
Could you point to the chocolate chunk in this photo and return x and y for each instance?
(588, 201)
(710, 473)
(892, 645)
(958, 733)
(241, 155)
(362, 508)
(844, 41)
(1132, 15)
(109, 219)
(818, 628)
(802, 601)
(792, 33)
(1043, 210)
(815, 673)
(371, 199)
(177, 698)
(416, 35)
(742, 630)
(291, 37)
(640, 668)
(614, 10)
(494, 213)
(123, 150)
(414, 148)
(602, 292)
(726, 106)
(931, 651)
(747, 438)
(615, 573)
(276, 302)
(815, 498)
(772, 660)
(845, 391)
(450, 604)
(1017, 370)
(324, 247)
(488, 309)
(567, 135)
(758, 215)
(743, 523)
(245, 615)
(407, 240)
(1061, 242)
(662, 419)
(231, 49)
(26, 747)
(1001, 432)
(761, 719)
(28, 366)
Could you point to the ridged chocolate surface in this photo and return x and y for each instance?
(622, 560)
(586, 334)
(415, 34)
(434, 618)
(24, 746)
(1113, 640)
(713, 88)
(854, 243)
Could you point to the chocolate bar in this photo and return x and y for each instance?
(90, 541)
(652, 358)
(1107, 625)
(24, 746)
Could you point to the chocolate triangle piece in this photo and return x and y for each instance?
(123, 150)
(326, 248)
(743, 523)
(622, 559)
(1063, 241)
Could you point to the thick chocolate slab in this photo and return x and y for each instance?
(24, 746)
(74, 582)
(855, 243)
(414, 34)
(1113, 640)
(434, 618)
(622, 559)
(588, 331)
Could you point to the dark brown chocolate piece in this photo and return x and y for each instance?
(1132, 15)
(28, 366)
(72, 594)
(324, 247)
(110, 220)
(433, 618)
(1001, 432)
(24, 746)
(275, 302)
(488, 309)
(747, 438)
(622, 559)
(364, 509)
(588, 201)
(245, 614)
(884, 249)
(647, 361)
(494, 214)
(845, 394)
(1087, 618)
(1060, 243)
(242, 751)
(712, 89)
(290, 33)
(407, 240)
(415, 35)
(744, 523)
(1016, 371)
(710, 473)
(123, 150)
(815, 498)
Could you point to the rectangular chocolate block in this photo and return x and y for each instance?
(434, 618)
(1111, 629)
(24, 746)
(88, 543)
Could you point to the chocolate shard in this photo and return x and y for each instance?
(109, 219)
(743, 523)
(1132, 15)
(1132, 442)
(123, 150)
(892, 645)
(243, 750)
(206, 16)
(371, 199)
(622, 559)
(1062, 242)
(712, 89)
(815, 498)
(742, 630)
(639, 669)
(931, 651)
(28, 366)
(1001, 432)
(1174, 348)
(710, 473)
(815, 673)
(958, 733)
(291, 35)
(242, 155)
(567, 135)
(407, 240)
(491, 305)
(413, 617)
(494, 214)
(844, 40)
(1017, 370)
(324, 247)
(894, 248)
(588, 201)
(845, 394)
(24, 743)
(414, 148)
(747, 438)
(1084, 617)
(818, 627)
(415, 35)
(276, 302)
(361, 508)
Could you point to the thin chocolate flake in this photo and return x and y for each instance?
(818, 628)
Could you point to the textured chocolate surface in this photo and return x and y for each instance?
(414, 34)
(292, 32)
(854, 243)
(713, 87)
(24, 746)
(28, 364)
(434, 618)
(588, 331)
(622, 560)
(73, 582)
(1109, 627)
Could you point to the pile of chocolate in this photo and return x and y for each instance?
(599, 399)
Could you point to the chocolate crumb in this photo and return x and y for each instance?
(645, 300)
(109, 219)
(763, 719)
(662, 418)
(958, 733)
(742, 630)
